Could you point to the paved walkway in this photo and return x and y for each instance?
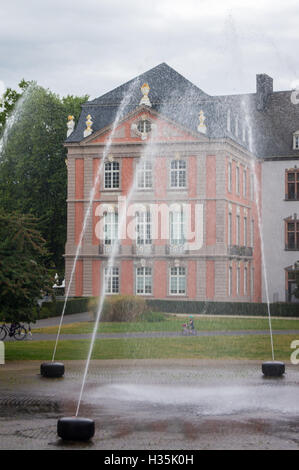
(156, 334)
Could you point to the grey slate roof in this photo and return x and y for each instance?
(178, 99)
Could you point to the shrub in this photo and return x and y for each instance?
(119, 308)
(153, 317)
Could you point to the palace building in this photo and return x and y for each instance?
(210, 162)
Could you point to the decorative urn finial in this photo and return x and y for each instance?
(201, 126)
(145, 91)
(89, 123)
(70, 125)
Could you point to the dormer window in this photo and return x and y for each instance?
(144, 126)
(296, 140)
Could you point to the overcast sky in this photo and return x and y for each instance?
(91, 46)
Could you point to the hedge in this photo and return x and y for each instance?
(223, 308)
(54, 309)
(80, 304)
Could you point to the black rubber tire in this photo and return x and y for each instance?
(3, 333)
(273, 368)
(75, 429)
(20, 333)
(52, 369)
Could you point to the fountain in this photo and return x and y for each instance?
(269, 368)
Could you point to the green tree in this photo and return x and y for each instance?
(33, 175)
(8, 102)
(24, 277)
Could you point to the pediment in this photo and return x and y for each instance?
(130, 129)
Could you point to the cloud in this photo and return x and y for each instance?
(93, 46)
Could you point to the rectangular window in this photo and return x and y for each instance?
(237, 180)
(292, 235)
(144, 281)
(252, 283)
(110, 227)
(238, 280)
(176, 219)
(229, 231)
(252, 187)
(177, 281)
(245, 231)
(292, 190)
(178, 177)
(245, 184)
(111, 175)
(230, 281)
(296, 142)
(111, 280)
(144, 175)
(252, 233)
(245, 280)
(229, 177)
(238, 230)
(143, 228)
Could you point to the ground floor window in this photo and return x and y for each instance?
(178, 281)
(111, 280)
(292, 279)
(144, 280)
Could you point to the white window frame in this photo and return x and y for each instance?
(245, 183)
(112, 170)
(245, 225)
(245, 280)
(111, 279)
(238, 276)
(178, 174)
(229, 176)
(144, 282)
(229, 229)
(178, 274)
(296, 140)
(145, 175)
(230, 281)
(238, 229)
(110, 228)
(176, 228)
(237, 179)
(143, 228)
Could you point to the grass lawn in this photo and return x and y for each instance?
(172, 323)
(219, 347)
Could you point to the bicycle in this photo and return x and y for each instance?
(15, 330)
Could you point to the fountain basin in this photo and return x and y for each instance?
(75, 429)
(52, 369)
(273, 368)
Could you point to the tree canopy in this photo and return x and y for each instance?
(33, 176)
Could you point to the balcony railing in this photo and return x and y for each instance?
(173, 249)
(106, 250)
(143, 249)
(235, 250)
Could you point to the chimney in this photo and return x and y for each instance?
(264, 87)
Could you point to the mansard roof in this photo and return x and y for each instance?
(177, 98)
